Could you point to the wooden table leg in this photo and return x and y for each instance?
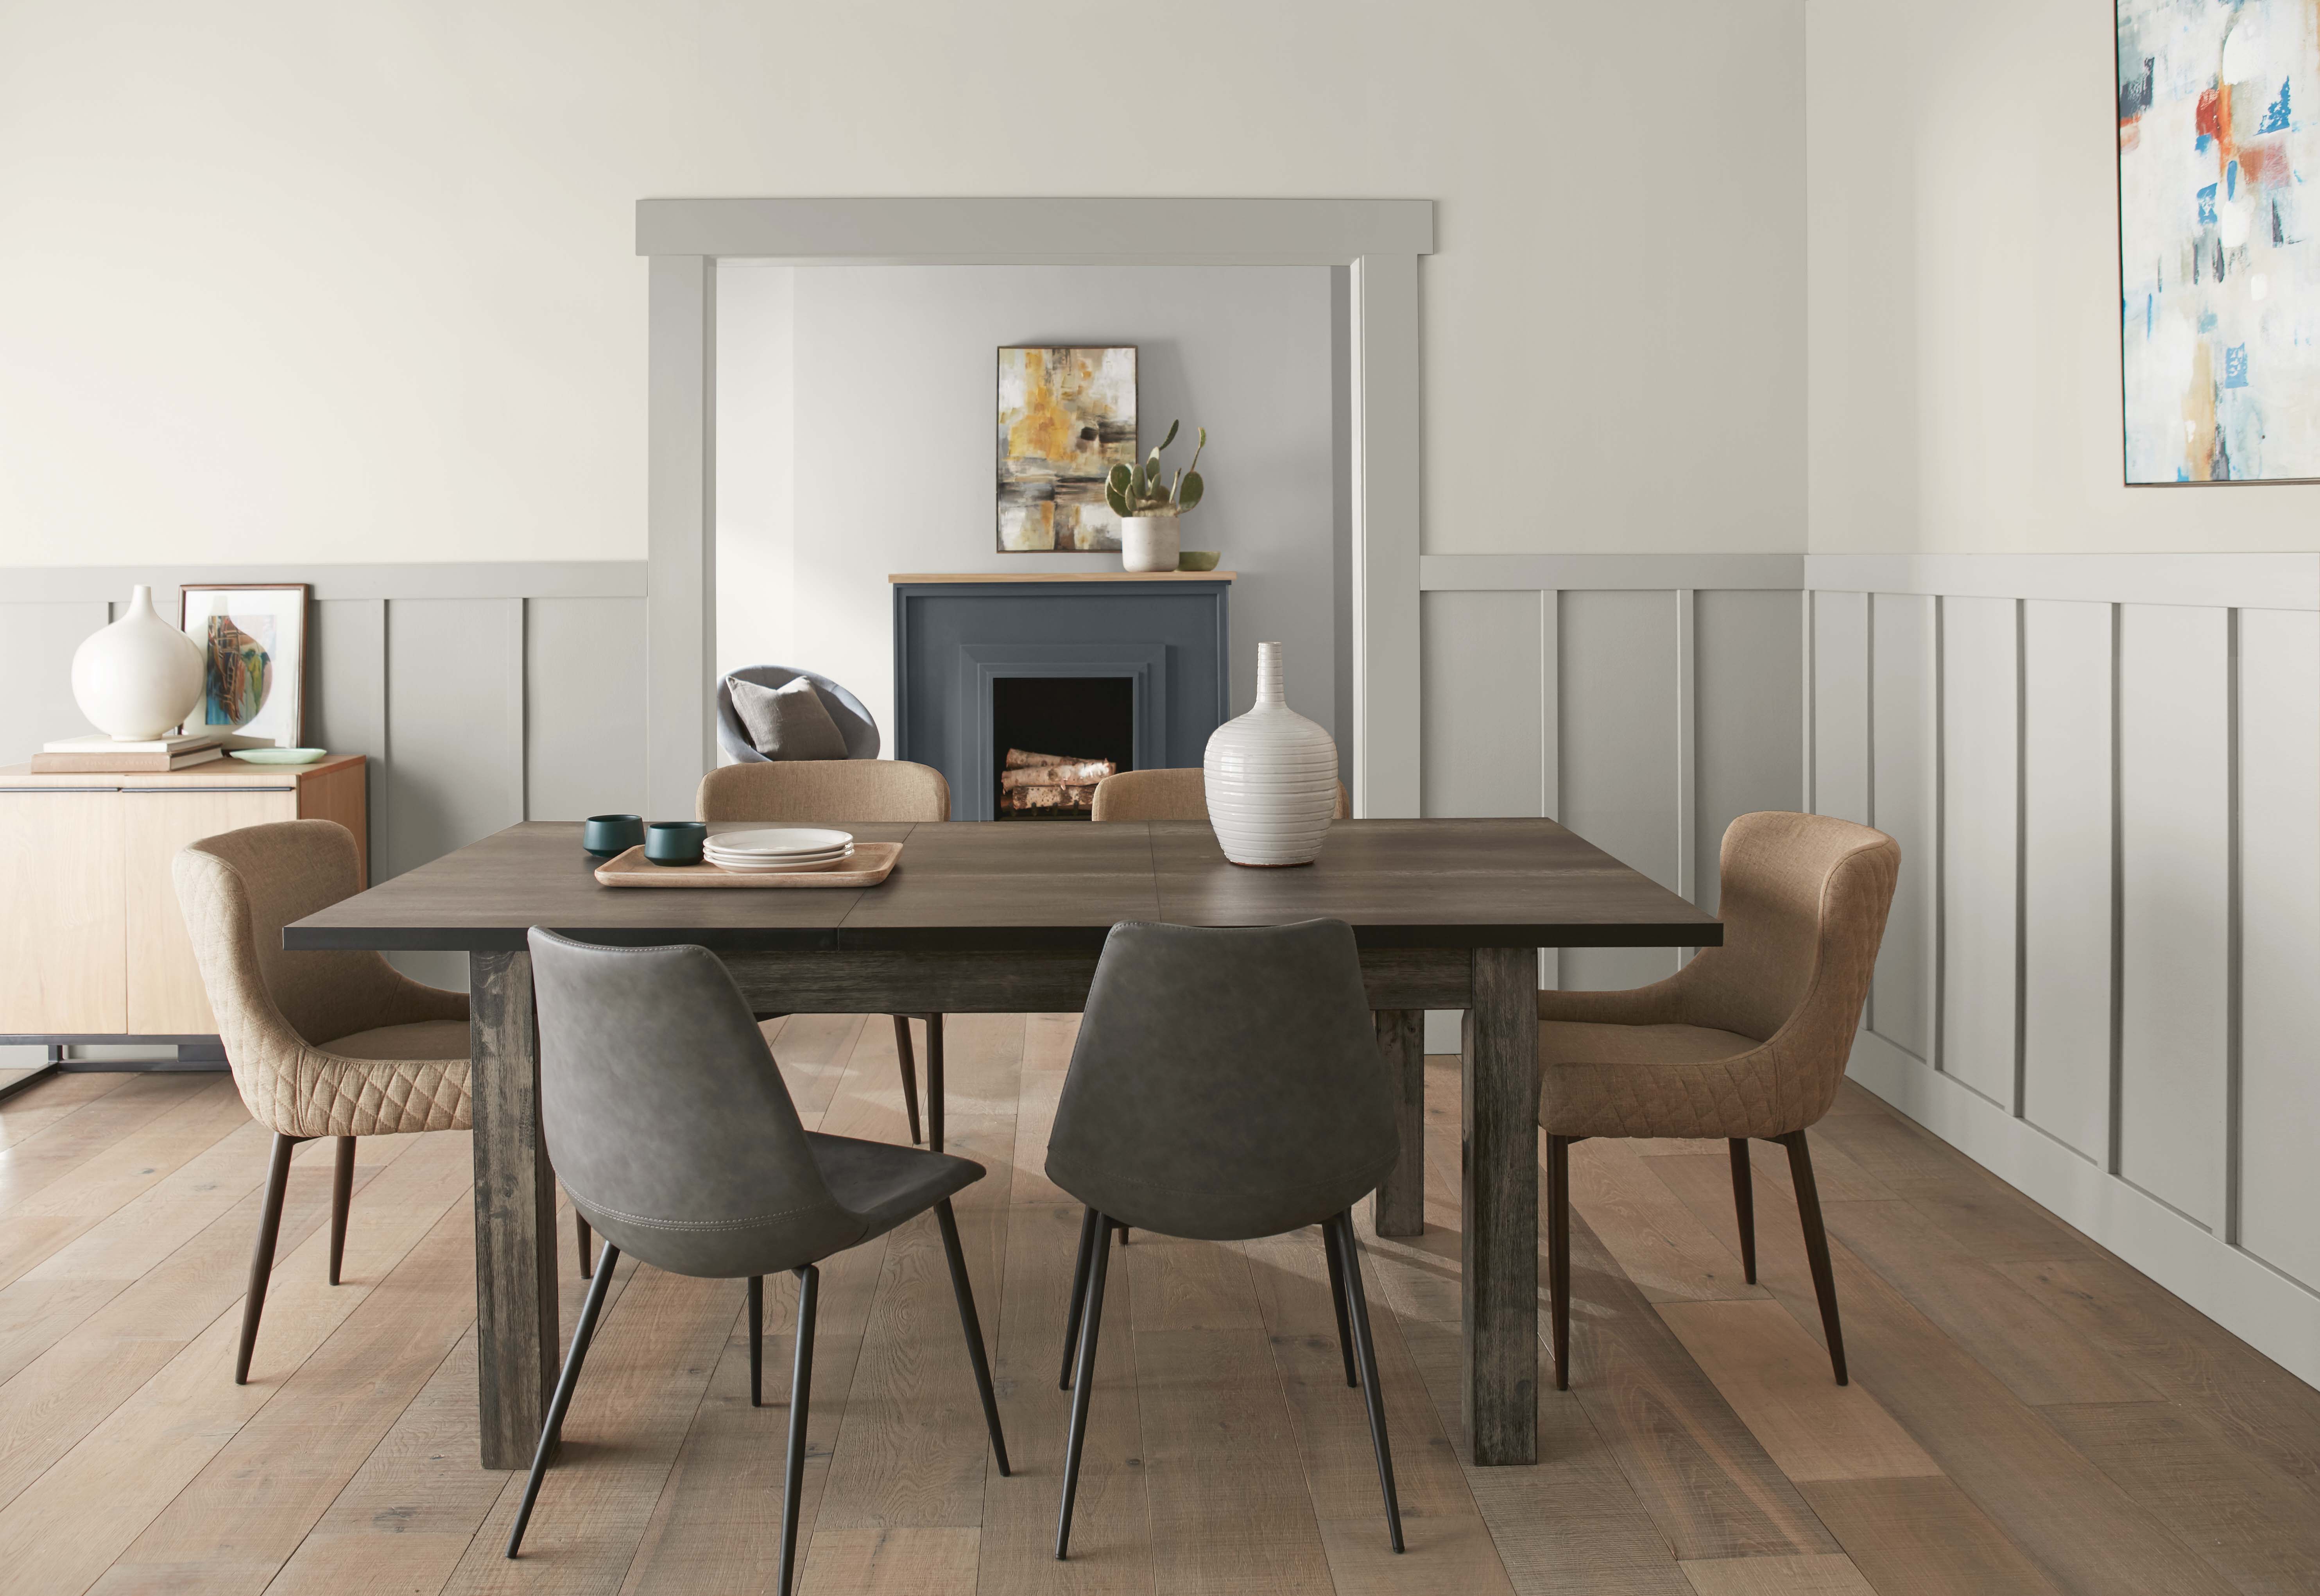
(1499, 1284)
(1399, 1208)
(516, 1333)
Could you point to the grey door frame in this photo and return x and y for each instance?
(1378, 240)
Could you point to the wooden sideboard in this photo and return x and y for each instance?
(92, 945)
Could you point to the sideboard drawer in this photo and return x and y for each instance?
(166, 997)
(63, 936)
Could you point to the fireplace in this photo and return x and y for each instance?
(1053, 738)
(1114, 668)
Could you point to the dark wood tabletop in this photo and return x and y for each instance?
(988, 886)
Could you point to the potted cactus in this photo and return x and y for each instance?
(1149, 507)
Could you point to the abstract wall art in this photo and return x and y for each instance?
(1066, 416)
(253, 642)
(2219, 239)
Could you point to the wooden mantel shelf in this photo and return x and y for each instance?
(898, 578)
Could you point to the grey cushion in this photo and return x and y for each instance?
(789, 721)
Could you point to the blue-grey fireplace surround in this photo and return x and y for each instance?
(1170, 637)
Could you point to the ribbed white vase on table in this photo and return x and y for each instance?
(1272, 777)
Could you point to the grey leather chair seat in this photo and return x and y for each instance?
(669, 1124)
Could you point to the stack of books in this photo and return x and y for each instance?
(99, 754)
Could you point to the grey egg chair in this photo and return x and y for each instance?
(856, 723)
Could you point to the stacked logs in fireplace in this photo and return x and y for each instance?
(1055, 782)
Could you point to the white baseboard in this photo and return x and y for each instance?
(2250, 1299)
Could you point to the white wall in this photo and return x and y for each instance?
(1963, 259)
(295, 282)
(859, 444)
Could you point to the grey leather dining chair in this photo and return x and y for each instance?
(673, 1131)
(1227, 1086)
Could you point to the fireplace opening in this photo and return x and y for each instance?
(1054, 738)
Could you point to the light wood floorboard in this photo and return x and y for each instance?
(2028, 1417)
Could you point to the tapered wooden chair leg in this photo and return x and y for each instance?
(1083, 1384)
(1338, 1234)
(342, 1194)
(756, 1340)
(909, 1063)
(261, 1257)
(586, 1237)
(1744, 1203)
(968, 1321)
(1337, 1299)
(800, 1396)
(1558, 1257)
(553, 1430)
(1079, 1296)
(1800, 1176)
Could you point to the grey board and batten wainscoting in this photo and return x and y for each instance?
(1169, 636)
(483, 693)
(2104, 771)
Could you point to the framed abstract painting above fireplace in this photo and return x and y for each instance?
(1066, 416)
(2219, 240)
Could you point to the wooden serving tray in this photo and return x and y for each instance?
(872, 863)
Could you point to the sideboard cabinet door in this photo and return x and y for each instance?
(165, 985)
(62, 939)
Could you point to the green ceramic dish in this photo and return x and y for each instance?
(1199, 560)
(281, 755)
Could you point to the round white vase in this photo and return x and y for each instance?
(1148, 544)
(140, 676)
(1272, 777)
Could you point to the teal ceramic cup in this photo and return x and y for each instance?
(606, 834)
(675, 842)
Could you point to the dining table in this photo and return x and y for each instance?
(983, 917)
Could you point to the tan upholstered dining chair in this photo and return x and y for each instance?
(337, 1044)
(1747, 1040)
(1166, 795)
(830, 791)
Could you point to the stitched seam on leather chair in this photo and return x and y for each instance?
(638, 1218)
(1327, 1185)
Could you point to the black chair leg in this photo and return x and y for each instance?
(1083, 1384)
(551, 1431)
(935, 1081)
(1079, 1296)
(1744, 1203)
(800, 1396)
(1558, 1256)
(261, 1257)
(1338, 1299)
(587, 1238)
(1800, 1174)
(1337, 1234)
(756, 1340)
(342, 1194)
(910, 1074)
(968, 1321)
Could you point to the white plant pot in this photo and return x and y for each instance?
(1148, 544)
(1272, 777)
(140, 676)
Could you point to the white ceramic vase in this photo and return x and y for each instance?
(1148, 544)
(140, 676)
(1272, 777)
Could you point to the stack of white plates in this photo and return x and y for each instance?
(784, 850)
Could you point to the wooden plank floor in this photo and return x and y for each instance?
(2028, 1415)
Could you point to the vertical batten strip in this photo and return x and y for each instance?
(2234, 923)
(519, 721)
(1869, 757)
(1812, 786)
(2021, 860)
(1550, 744)
(1687, 753)
(2115, 1159)
(1936, 994)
